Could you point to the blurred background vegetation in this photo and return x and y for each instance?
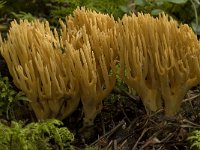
(185, 11)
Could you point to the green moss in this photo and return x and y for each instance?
(44, 135)
(194, 138)
(9, 98)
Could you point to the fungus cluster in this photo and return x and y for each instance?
(157, 57)
(35, 61)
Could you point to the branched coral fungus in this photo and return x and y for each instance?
(55, 72)
(159, 59)
(32, 52)
(96, 83)
(93, 36)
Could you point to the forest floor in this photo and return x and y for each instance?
(124, 124)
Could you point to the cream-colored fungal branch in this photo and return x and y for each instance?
(177, 79)
(32, 52)
(70, 82)
(96, 72)
(94, 88)
(94, 36)
(177, 61)
(136, 60)
(159, 59)
(100, 29)
(82, 17)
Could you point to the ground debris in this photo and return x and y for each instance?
(124, 124)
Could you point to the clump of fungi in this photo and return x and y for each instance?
(157, 57)
(35, 61)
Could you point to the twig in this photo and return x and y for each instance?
(153, 139)
(125, 115)
(150, 141)
(77, 148)
(108, 146)
(103, 126)
(169, 136)
(115, 145)
(194, 124)
(124, 93)
(108, 134)
(160, 148)
(143, 132)
(123, 143)
(132, 123)
(186, 124)
(191, 98)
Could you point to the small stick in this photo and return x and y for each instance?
(190, 98)
(115, 145)
(108, 146)
(103, 126)
(143, 132)
(108, 134)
